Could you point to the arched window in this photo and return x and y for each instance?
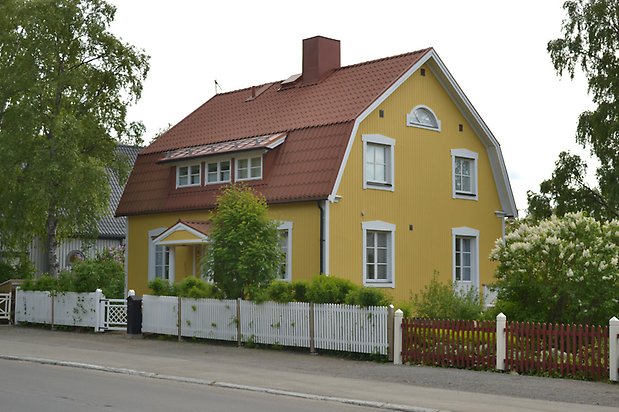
(424, 117)
(74, 256)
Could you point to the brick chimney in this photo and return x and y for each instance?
(321, 55)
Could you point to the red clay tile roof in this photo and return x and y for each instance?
(201, 226)
(317, 119)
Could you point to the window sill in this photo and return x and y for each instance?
(223, 182)
(421, 126)
(379, 186)
(186, 186)
(465, 196)
(375, 284)
(248, 179)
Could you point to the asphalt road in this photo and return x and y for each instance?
(34, 387)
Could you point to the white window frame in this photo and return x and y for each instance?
(379, 139)
(389, 228)
(188, 166)
(249, 167)
(152, 251)
(473, 234)
(473, 157)
(218, 161)
(287, 226)
(413, 123)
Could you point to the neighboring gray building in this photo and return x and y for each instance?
(112, 230)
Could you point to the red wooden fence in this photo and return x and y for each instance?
(451, 343)
(563, 350)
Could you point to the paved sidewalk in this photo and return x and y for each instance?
(424, 387)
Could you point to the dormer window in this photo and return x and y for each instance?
(249, 168)
(218, 172)
(424, 117)
(188, 175)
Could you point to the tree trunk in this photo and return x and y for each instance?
(51, 244)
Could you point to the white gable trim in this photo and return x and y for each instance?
(159, 240)
(459, 98)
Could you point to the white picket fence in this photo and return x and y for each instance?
(324, 326)
(351, 328)
(70, 309)
(5, 306)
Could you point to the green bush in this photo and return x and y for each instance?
(190, 287)
(6, 272)
(441, 301)
(85, 276)
(102, 272)
(329, 289)
(161, 287)
(300, 290)
(281, 292)
(42, 283)
(366, 297)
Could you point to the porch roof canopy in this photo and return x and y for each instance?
(184, 232)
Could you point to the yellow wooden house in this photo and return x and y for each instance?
(380, 172)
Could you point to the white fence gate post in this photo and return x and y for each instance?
(613, 331)
(99, 310)
(501, 341)
(397, 337)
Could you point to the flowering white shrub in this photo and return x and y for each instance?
(563, 269)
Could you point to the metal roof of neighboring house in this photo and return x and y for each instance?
(110, 226)
(317, 118)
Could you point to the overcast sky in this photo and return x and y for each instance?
(496, 51)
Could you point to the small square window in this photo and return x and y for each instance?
(249, 168)
(218, 172)
(188, 175)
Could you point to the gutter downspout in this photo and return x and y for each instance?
(322, 237)
(502, 215)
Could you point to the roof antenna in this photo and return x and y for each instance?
(217, 86)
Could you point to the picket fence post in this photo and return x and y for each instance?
(397, 337)
(99, 311)
(239, 337)
(613, 331)
(390, 329)
(179, 302)
(312, 329)
(501, 341)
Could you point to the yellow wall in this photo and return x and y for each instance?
(422, 196)
(305, 242)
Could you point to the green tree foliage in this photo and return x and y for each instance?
(590, 42)
(65, 85)
(562, 269)
(244, 254)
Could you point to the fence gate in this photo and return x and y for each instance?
(113, 314)
(5, 306)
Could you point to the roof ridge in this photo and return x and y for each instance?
(420, 51)
(338, 69)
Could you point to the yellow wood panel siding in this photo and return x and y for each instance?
(305, 242)
(180, 235)
(305, 218)
(422, 195)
